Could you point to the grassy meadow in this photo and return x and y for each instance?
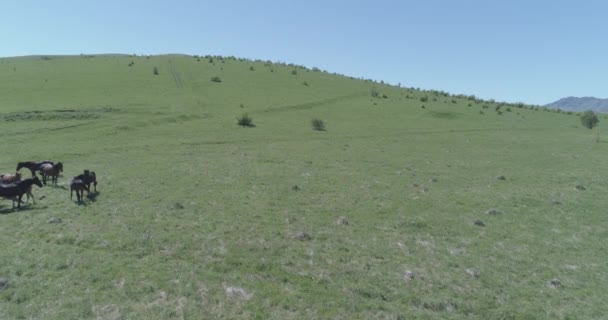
(410, 205)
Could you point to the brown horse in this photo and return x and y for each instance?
(7, 178)
(51, 170)
(79, 186)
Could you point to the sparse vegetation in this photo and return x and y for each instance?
(589, 119)
(318, 124)
(245, 121)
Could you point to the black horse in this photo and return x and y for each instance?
(87, 178)
(79, 186)
(15, 191)
(33, 165)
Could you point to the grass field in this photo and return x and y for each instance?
(382, 216)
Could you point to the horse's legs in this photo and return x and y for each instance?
(30, 195)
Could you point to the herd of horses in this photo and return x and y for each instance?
(12, 187)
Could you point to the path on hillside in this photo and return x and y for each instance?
(179, 83)
(318, 103)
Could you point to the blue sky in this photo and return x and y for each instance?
(530, 51)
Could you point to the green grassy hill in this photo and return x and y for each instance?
(382, 216)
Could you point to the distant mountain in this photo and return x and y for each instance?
(580, 104)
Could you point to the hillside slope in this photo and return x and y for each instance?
(412, 204)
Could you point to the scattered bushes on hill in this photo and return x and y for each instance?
(216, 79)
(589, 119)
(317, 124)
(245, 121)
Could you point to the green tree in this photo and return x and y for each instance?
(589, 119)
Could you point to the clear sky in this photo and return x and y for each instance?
(535, 51)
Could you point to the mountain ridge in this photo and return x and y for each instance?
(580, 104)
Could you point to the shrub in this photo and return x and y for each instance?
(294, 72)
(384, 96)
(251, 68)
(375, 93)
(589, 119)
(424, 99)
(155, 71)
(305, 83)
(317, 124)
(216, 79)
(245, 121)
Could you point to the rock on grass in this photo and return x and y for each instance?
(54, 220)
(237, 293)
(493, 211)
(302, 236)
(472, 272)
(342, 221)
(554, 284)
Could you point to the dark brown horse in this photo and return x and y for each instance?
(51, 170)
(32, 165)
(15, 191)
(79, 186)
(88, 177)
(8, 178)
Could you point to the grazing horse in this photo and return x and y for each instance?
(79, 186)
(15, 191)
(88, 177)
(32, 165)
(51, 170)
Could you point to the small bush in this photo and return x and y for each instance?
(155, 71)
(384, 96)
(251, 68)
(245, 121)
(424, 99)
(589, 119)
(294, 72)
(375, 93)
(305, 83)
(318, 124)
(216, 79)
